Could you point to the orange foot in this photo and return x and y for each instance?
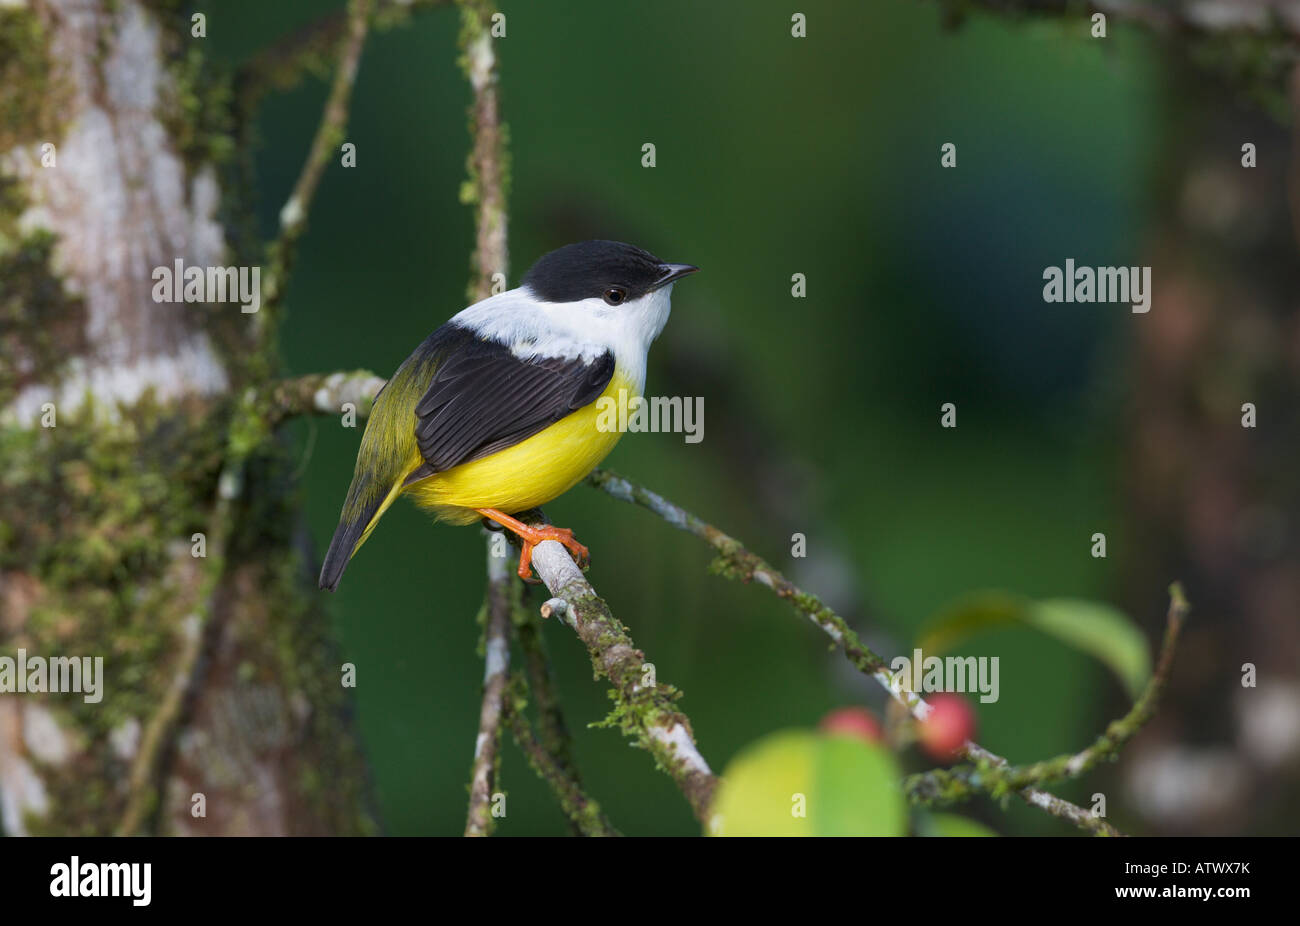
(532, 536)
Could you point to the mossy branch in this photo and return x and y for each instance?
(554, 738)
(329, 136)
(486, 188)
(645, 708)
(323, 393)
(584, 814)
(158, 738)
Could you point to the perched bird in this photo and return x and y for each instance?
(495, 413)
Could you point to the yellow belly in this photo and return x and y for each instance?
(532, 472)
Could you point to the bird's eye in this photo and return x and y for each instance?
(615, 295)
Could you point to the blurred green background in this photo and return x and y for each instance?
(775, 156)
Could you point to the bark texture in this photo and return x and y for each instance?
(222, 693)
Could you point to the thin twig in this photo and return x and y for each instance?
(736, 562)
(645, 708)
(321, 393)
(157, 739)
(486, 187)
(311, 48)
(554, 763)
(329, 135)
(555, 738)
(248, 427)
(496, 669)
(947, 786)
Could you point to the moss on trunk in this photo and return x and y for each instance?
(98, 516)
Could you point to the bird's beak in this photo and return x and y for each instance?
(672, 272)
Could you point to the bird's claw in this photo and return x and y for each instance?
(562, 535)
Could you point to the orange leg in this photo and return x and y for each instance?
(532, 536)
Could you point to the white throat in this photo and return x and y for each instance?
(586, 328)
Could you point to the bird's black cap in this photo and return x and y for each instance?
(587, 269)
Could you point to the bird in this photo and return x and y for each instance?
(495, 413)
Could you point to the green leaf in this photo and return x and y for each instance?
(754, 798)
(969, 616)
(1089, 626)
(1101, 631)
(951, 824)
(841, 785)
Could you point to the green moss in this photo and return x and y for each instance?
(39, 320)
(97, 514)
(100, 517)
(199, 113)
(29, 95)
(94, 514)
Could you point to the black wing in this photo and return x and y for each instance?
(483, 399)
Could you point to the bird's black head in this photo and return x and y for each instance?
(609, 270)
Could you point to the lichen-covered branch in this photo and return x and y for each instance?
(550, 753)
(1081, 817)
(645, 708)
(329, 136)
(947, 786)
(736, 562)
(496, 670)
(554, 737)
(487, 164)
(321, 393)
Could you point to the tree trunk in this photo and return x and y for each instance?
(1213, 429)
(222, 708)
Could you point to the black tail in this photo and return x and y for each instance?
(343, 545)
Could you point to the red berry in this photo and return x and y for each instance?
(950, 724)
(853, 721)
